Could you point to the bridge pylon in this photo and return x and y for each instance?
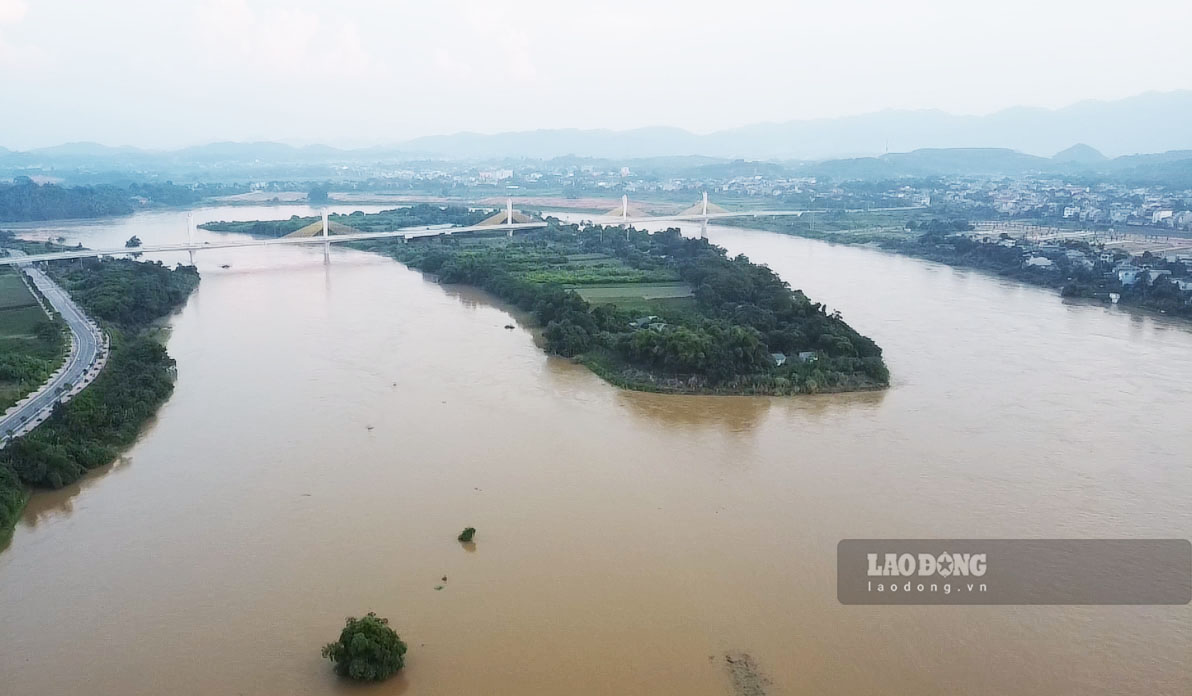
(625, 214)
(703, 224)
(190, 236)
(326, 244)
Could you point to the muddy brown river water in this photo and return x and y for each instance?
(333, 429)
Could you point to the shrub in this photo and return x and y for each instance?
(466, 535)
(367, 649)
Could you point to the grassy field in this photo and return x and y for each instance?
(619, 292)
(13, 292)
(20, 322)
(842, 228)
(641, 298)
(595, 271)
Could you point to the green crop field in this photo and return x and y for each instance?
(20, 321)
(26, 358)
(633, 291)
(13, 293)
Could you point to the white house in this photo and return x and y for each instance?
(1128, 276)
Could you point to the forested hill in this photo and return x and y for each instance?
(26, 201)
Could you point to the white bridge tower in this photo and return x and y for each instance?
(326, 244)
(703, 224)
(190, 236)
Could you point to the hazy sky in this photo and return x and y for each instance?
(166, 73)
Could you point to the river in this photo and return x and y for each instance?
(334, 427)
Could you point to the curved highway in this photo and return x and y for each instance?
(80, 367)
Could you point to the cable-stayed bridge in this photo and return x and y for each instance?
(510, 222)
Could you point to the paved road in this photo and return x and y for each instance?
(86, 343)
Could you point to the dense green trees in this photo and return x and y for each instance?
(32, 345)
(261, 228)
(946, 242)
(742, 312)
(25, 200)
(95, 425)
(1163, 295)
(386, 220)
(367, 649)
(125, 292)
(89, 431)
(317, 195)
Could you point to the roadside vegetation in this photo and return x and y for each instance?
(127, 297)
(697, 322)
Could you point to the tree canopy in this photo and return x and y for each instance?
(367, 649)
(26, 200)
(743, 313)
(317, 194)
(89, 430)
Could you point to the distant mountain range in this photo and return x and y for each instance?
(1151, 122)
(1173, 167)
(922, 143)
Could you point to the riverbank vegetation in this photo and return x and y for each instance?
(127, 297)
(668, 313)
(24, 200)
(1075, 267)
(414, 216)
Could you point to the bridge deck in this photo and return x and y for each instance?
(407, 232)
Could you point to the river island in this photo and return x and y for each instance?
(646, 311)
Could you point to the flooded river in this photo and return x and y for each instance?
(334, 428)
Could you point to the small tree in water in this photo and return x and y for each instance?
(466, 535)
(367, 649)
